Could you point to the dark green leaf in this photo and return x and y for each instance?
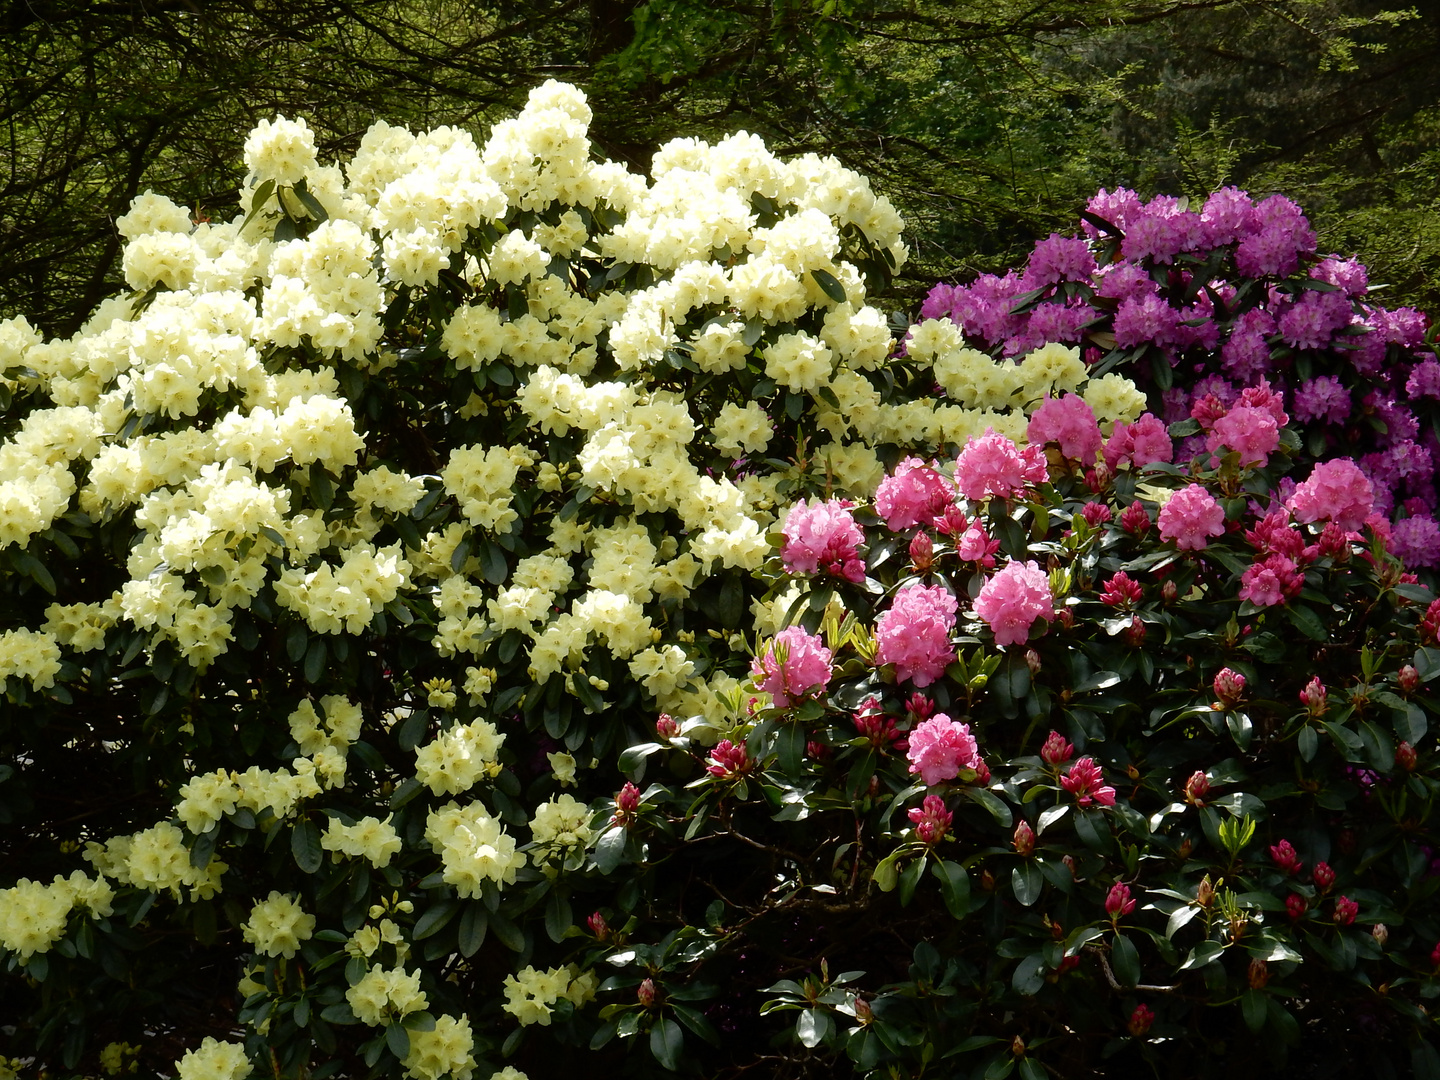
(666, 1041)
(1252, 1006)
(1126, 960)
(305, 846)
(1029, 975)
(434, 918)
(398, 1040)
(829, 285)
(1027, 881)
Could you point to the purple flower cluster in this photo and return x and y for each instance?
(1223, 296)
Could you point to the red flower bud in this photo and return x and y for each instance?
(1135, 632)
(1196, 788)
(1229, 687)
(922, 553)
(1285, 857)
(1405, 757)
(1259, 974)
(1169, 592)
(1296, 906)
(1345, 910)
(1408, 678)
(1095, 513)
(666, 727)
(1134, 519)
(1032, 661)
(646, 993)
(628, 800)
(1140, 1021)
(598, 926)
(1205, 893)
(1057, 749)
(1118, 903)
(1024, 839)
(1324, 876)
(1313, 697)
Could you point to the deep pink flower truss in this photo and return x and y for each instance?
(915, 495)
(824, 539)
(914, 633)
(1013, 599)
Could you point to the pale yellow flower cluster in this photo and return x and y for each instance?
(278, 925)
(382, 996)
(455, 759)
(33, 915)
(531, 993)
(473, 848)
(369, 838)
(214, 1060)
(445, 1050)
(561, 823)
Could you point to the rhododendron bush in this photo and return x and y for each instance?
(481, 589)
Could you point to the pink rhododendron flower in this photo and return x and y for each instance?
(1286, 857)
(795, 664)
(1229, 687)
(1069, 422)
(992, 465)
(823, 538)
(1336, 491)
(932, 820)
(915, 495)
(1250, 432)
(1191, 517)
(1135, 519)
(1138, 444)
(914, 633)
(940, 748)
(1345, 910)
(1121, 591)
(729, 760)
(1087, 783)
(1013, 599)
(975, 545)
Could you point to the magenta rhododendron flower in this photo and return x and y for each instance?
(1121, 591)
(823, 538)
(1138, 444)
(915, 495)
(914, 633)
(1013, 599)
(1068, 422)
(992, 465)
(1336, 491)
(1087, 783)
(940, 748)
(1271, 581)
(795, 664)
(975, 545)
(1191, 517)
(728, 760)
(1345, 910)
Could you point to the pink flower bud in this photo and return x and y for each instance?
(1118, 903)
(729, 761)
(646, 993)
(1140, 1021)
(1135, 632)
(952, 522)
(1345, 910)
(1205, 893)
(598, 926)
(1296, 906)
(1408, 678)
(1068, 963)
(1313, 697)
(922, 553)
(1098, 478)
(1229, 687)
(1121, 591)
(1285, 857)
(1324, 876)
(1069, 861)
(666, 727)
(1087, 783)
(919, 708)
(1024, 840)
(1169, 592)
(1095, 513)
(1405, 757)
(1057, 749)
(1259, 974)
(1381, 933)
(1065, 618)
(1032, 661)
(817, 751)
(932, 820)
(863, 1013)
(1196, 788)
(627, 802)
(1134, 519)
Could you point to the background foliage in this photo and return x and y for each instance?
(987, 124)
